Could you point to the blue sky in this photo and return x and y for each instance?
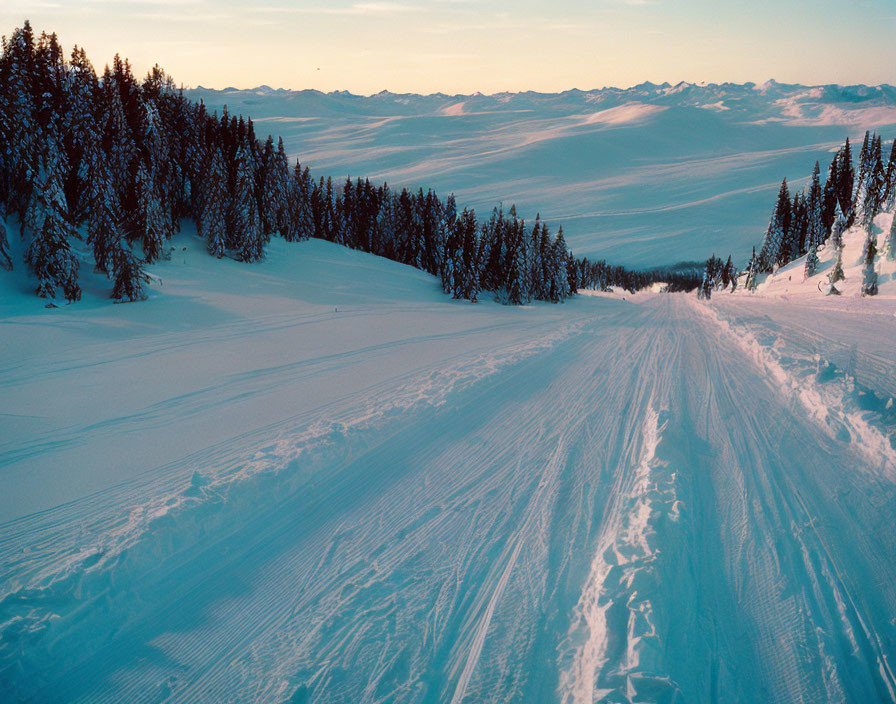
(461, 46)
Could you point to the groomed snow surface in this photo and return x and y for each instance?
(319, 479)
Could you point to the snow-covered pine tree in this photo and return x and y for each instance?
(148, 221)
(558, 262)
(452, 260)
(129, 275)
(772, 246)
(845, 182)
(81, 138)
(799, 228)
(862, 176)
(728, 275)
(447, 219)
(265, 187)
(838, 228)
(713, 274)
(340, 223)
(245, 227)
(868, 195)
(19, 128)
(49, 255)
(5, 259)
(829, 198)
(705, 290)
(814, 204)
(889, 196)
(472, 256)
(536, 265)
(836, 274)
(752, 271)
(105, 228)
(516, 283)
(211, 215)
(280, 191)
(733, 275)
(869, 274)
(301, 218)
(118, 141)
(890, 244)
(387, 224)
(811, 262)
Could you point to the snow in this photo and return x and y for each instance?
(317, 478)
(641, 176)
(630, 112)
(790, 283)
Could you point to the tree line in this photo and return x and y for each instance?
(118, 163)
(819, 215)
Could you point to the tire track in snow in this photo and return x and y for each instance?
(826, 407)
(814, 640)
(445, 552)
(138, 544)
(481, 629)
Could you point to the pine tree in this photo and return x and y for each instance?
(752, 271)
(861, 182)
(148, 220)
(300, 215)
(890, 245)
(871, 184)
(846, 180)
(729, 275)
(560, 289)
(452, 260)
(472, 256)
(105, 229)
(811, 262)
(799, 229)
(49, 254)
(129, 276)
(5, 259)
(81, 136)
(889, 196)
(838, 228)
(836, 274)
(705, 290)
(244, 230)
(20, 130)
(211, 215)
(776, 234)
(869, 275)
(814, 205)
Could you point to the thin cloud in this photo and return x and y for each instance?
(360, 8)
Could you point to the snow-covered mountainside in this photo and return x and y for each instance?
(319, 479)
(791, 283)
(645, 176)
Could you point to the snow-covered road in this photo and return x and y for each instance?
(601, 501)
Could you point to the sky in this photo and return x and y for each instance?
(464, 46)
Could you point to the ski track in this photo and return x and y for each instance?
(618, 508)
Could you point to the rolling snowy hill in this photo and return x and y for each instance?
(650, 175)
(269, 483)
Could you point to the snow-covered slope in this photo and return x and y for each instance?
(649, 175)
(791, 283)
(318, 479)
